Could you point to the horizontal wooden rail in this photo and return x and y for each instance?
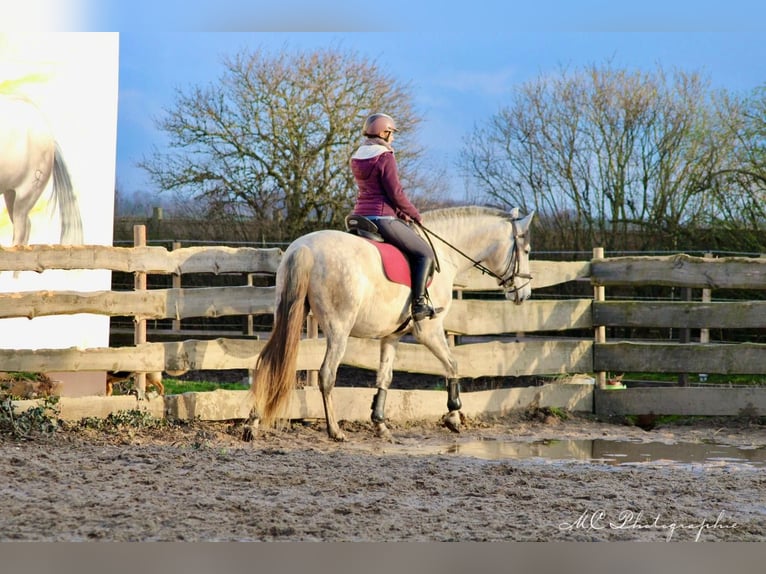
(733, 358)
(691, 314)
(154, 260)
(467, 316)
(681, 271)
(149, 304)
(544, 274)
(474, 360)
(477, 317)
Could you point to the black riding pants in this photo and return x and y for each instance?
(418, 251)
(398, 233)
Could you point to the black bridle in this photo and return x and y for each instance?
(511, 271)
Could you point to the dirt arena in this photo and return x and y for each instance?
(199, 482)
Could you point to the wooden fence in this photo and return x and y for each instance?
(496, 337)
(684, 356)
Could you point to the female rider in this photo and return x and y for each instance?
(382, 200)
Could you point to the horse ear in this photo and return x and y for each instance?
(515, 213)
(524, 223)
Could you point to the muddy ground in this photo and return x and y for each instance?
(200, 482)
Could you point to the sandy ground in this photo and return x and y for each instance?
(200, 482)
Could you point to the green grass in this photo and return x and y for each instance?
(176, 387)
(23, 376)
(132, 418)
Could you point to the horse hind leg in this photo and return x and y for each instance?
(22, 226)
(21, 200)
(19, 216)
(336, 347)
(382, 382)
(20, 221)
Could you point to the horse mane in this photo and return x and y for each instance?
(464, 211)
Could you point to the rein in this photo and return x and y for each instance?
(510, 271)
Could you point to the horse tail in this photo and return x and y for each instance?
(63, 195)
(275, 369)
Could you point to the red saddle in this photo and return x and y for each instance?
(395, 264)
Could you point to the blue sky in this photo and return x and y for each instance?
(462, 62)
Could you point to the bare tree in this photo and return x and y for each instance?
(739, 187)
(271, 139)
(604, 155)
(754, 142)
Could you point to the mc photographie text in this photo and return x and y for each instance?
(628, 520)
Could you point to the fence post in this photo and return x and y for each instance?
(684, 336)
(707, 296)
(600, 330)
(453, 339)
(249, 327)
(139, 284)
(176, 285)
(249, 331)
(312, 332)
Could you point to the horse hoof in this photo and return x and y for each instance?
(452, 421)
(336, 434)
(248, 432)
(381, 431)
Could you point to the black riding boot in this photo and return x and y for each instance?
(421, 309)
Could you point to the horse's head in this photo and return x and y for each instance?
(514, 275)
(499, 243)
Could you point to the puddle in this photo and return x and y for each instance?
(611, 452)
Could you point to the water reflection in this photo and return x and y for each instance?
(610, 451)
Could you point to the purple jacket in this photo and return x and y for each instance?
(377, 177)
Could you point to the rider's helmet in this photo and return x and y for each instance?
(378, 124)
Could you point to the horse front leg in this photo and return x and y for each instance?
(431, 334)
(454, 417)
(383, 380)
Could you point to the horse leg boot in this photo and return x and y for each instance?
(421, 271)
(453, 419)
(378, 414)
(383, 380)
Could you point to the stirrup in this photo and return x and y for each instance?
(422, 311)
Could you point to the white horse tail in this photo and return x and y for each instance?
(63, 195)
(275, 370)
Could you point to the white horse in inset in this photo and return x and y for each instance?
(29, 154)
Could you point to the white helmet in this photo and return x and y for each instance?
(377, 124)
